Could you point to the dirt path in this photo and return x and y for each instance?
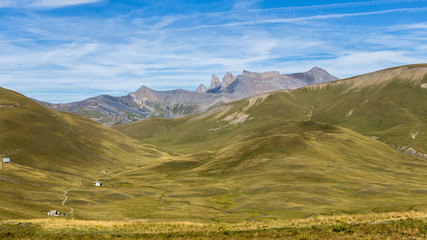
(66, 198)
(261, 215)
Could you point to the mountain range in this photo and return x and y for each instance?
(356, 145)
(147, 103)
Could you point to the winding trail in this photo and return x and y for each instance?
(66, 198)
(261, 215)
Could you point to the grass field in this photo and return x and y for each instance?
(394, 225)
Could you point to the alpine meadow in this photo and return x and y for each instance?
(313, 124)
(277, 156)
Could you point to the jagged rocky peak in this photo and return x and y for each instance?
(215, 82)
(201, 88)
(227, 79)
(142, 94)
(269, 74)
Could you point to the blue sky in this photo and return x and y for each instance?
(69, 50)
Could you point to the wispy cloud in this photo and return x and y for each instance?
(245, 4)
(44, 3)
(243, 7)
(421, 25)
(81, 56)
(304, 19)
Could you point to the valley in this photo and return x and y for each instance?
(331, 149)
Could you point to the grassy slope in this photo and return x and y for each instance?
(234, 162)
(261, 155)
(390, 110)
(389, 104)
(52, 152)
(304, 168)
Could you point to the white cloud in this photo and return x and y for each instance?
(61, 3)
(359, 62)
(82, 57)
(243, 7)
(245, 4)
(421, 26)
(43, 3)
(300, 20)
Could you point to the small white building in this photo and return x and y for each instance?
(54, 213)
(6, 160)
(98, 183)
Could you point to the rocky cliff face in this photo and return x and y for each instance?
(227, 80)
(215, 83)
(146, 103)
(252, 83)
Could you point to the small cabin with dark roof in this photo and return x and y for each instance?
(55, 213)
(6, 160)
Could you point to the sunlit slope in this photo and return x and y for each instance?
(390, 105)
(51, 152)
(265, 155)
(296, 168)
(219, 127)
(35, 136)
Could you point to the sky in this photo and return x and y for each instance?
(69, 50)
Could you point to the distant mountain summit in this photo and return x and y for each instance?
(148, 103)
(252, 83)
(201, 88)
(227, 80)
(215, 83)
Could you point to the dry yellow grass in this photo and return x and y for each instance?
(393, 225)
(146, 226)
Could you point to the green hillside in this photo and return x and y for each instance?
(320, 150)
(51, 152)
(287, 153)
(294, 170)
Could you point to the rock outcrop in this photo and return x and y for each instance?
(215, 83)
(410, 151)
(201, 88)
(227, 80)
(252, 83)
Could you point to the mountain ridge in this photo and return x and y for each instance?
(146, 102)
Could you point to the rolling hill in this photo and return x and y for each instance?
(313, 150)
(51, 152)
(319, 150)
